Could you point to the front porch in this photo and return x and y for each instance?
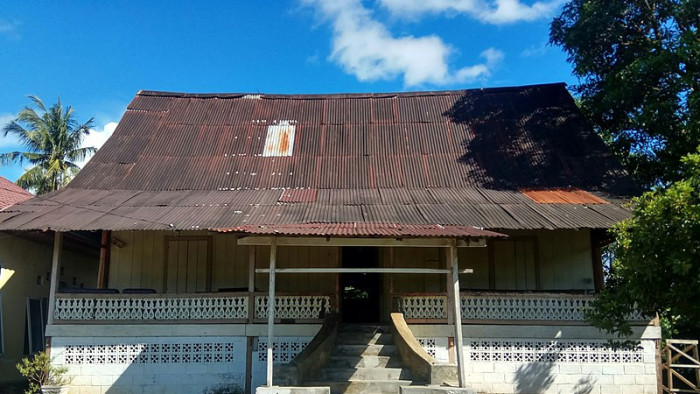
(199, 309)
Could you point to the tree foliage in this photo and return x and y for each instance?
(39, 372)
(657, 265)
(638, 64)
(53, 139)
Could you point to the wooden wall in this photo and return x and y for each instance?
(141, 263)
(528, 260)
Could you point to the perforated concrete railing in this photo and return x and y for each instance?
(295, 306)
(557, 307)
(130, 307)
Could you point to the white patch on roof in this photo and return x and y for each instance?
(280, 139)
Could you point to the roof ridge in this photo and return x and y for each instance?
(157, 93)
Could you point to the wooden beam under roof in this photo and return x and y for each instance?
(381, 242)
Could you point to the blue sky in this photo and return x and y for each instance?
(95, 55)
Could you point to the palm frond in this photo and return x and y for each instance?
(21, 157)
(34, 179)
(81, 154)
(54, 138)
(37, 101)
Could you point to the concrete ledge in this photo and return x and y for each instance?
(544, 331)
(435, 390)
(422, 365)
(312, 358)
(178, 330)
(293, 390)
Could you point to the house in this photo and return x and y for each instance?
(25, 263)
(468, 223)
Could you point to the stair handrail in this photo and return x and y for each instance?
(422, 365)
(314, 356)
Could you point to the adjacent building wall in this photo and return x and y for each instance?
(26, 267)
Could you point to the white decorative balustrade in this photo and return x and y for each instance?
(495, 306)
(423, 306)
(295, 306)
(114, 307)
(559, 307)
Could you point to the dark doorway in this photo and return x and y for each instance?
(360, 291)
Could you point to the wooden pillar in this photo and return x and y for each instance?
(103, 270)
(251, 268)
(251, 319)
(450, 291)
(55, 268)
(459, 343)
(271, 310)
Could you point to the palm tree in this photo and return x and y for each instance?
(53, 141)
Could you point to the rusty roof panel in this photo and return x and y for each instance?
(527, 217)
(299, 195)
(461, 157)
(210, 208)
(150, 103)
(279, 140)
(613, 212)
(562, 196)
(365, 230)
(384, 110)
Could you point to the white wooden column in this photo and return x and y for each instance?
(55, 268)
(450, 289)
(271, 310)
(457, 305)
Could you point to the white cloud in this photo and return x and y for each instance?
(496, 12)
(535, 50)
(366, 48)
(97, 138)
(9, 29)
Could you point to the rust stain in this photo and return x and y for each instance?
(284, 141)
(279, 140)
(562, 196)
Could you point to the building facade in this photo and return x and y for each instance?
(355, 206)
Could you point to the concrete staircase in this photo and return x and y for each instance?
(364, 361)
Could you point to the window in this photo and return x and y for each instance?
(188, 264)
(35, 325)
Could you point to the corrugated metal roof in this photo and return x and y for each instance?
(562, 196)
(180, 161)
(366, 230)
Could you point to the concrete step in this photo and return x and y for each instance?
(364, 350)
(363, 328)
(364, 338)
(364, 362)
(371, 373)
(362, 386)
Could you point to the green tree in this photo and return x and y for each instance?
(53, 139)
(638, 64)
(657, 264)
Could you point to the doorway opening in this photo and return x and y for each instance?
(360, 292)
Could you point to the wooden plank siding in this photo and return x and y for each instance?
(528, 260)
(211, 262)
